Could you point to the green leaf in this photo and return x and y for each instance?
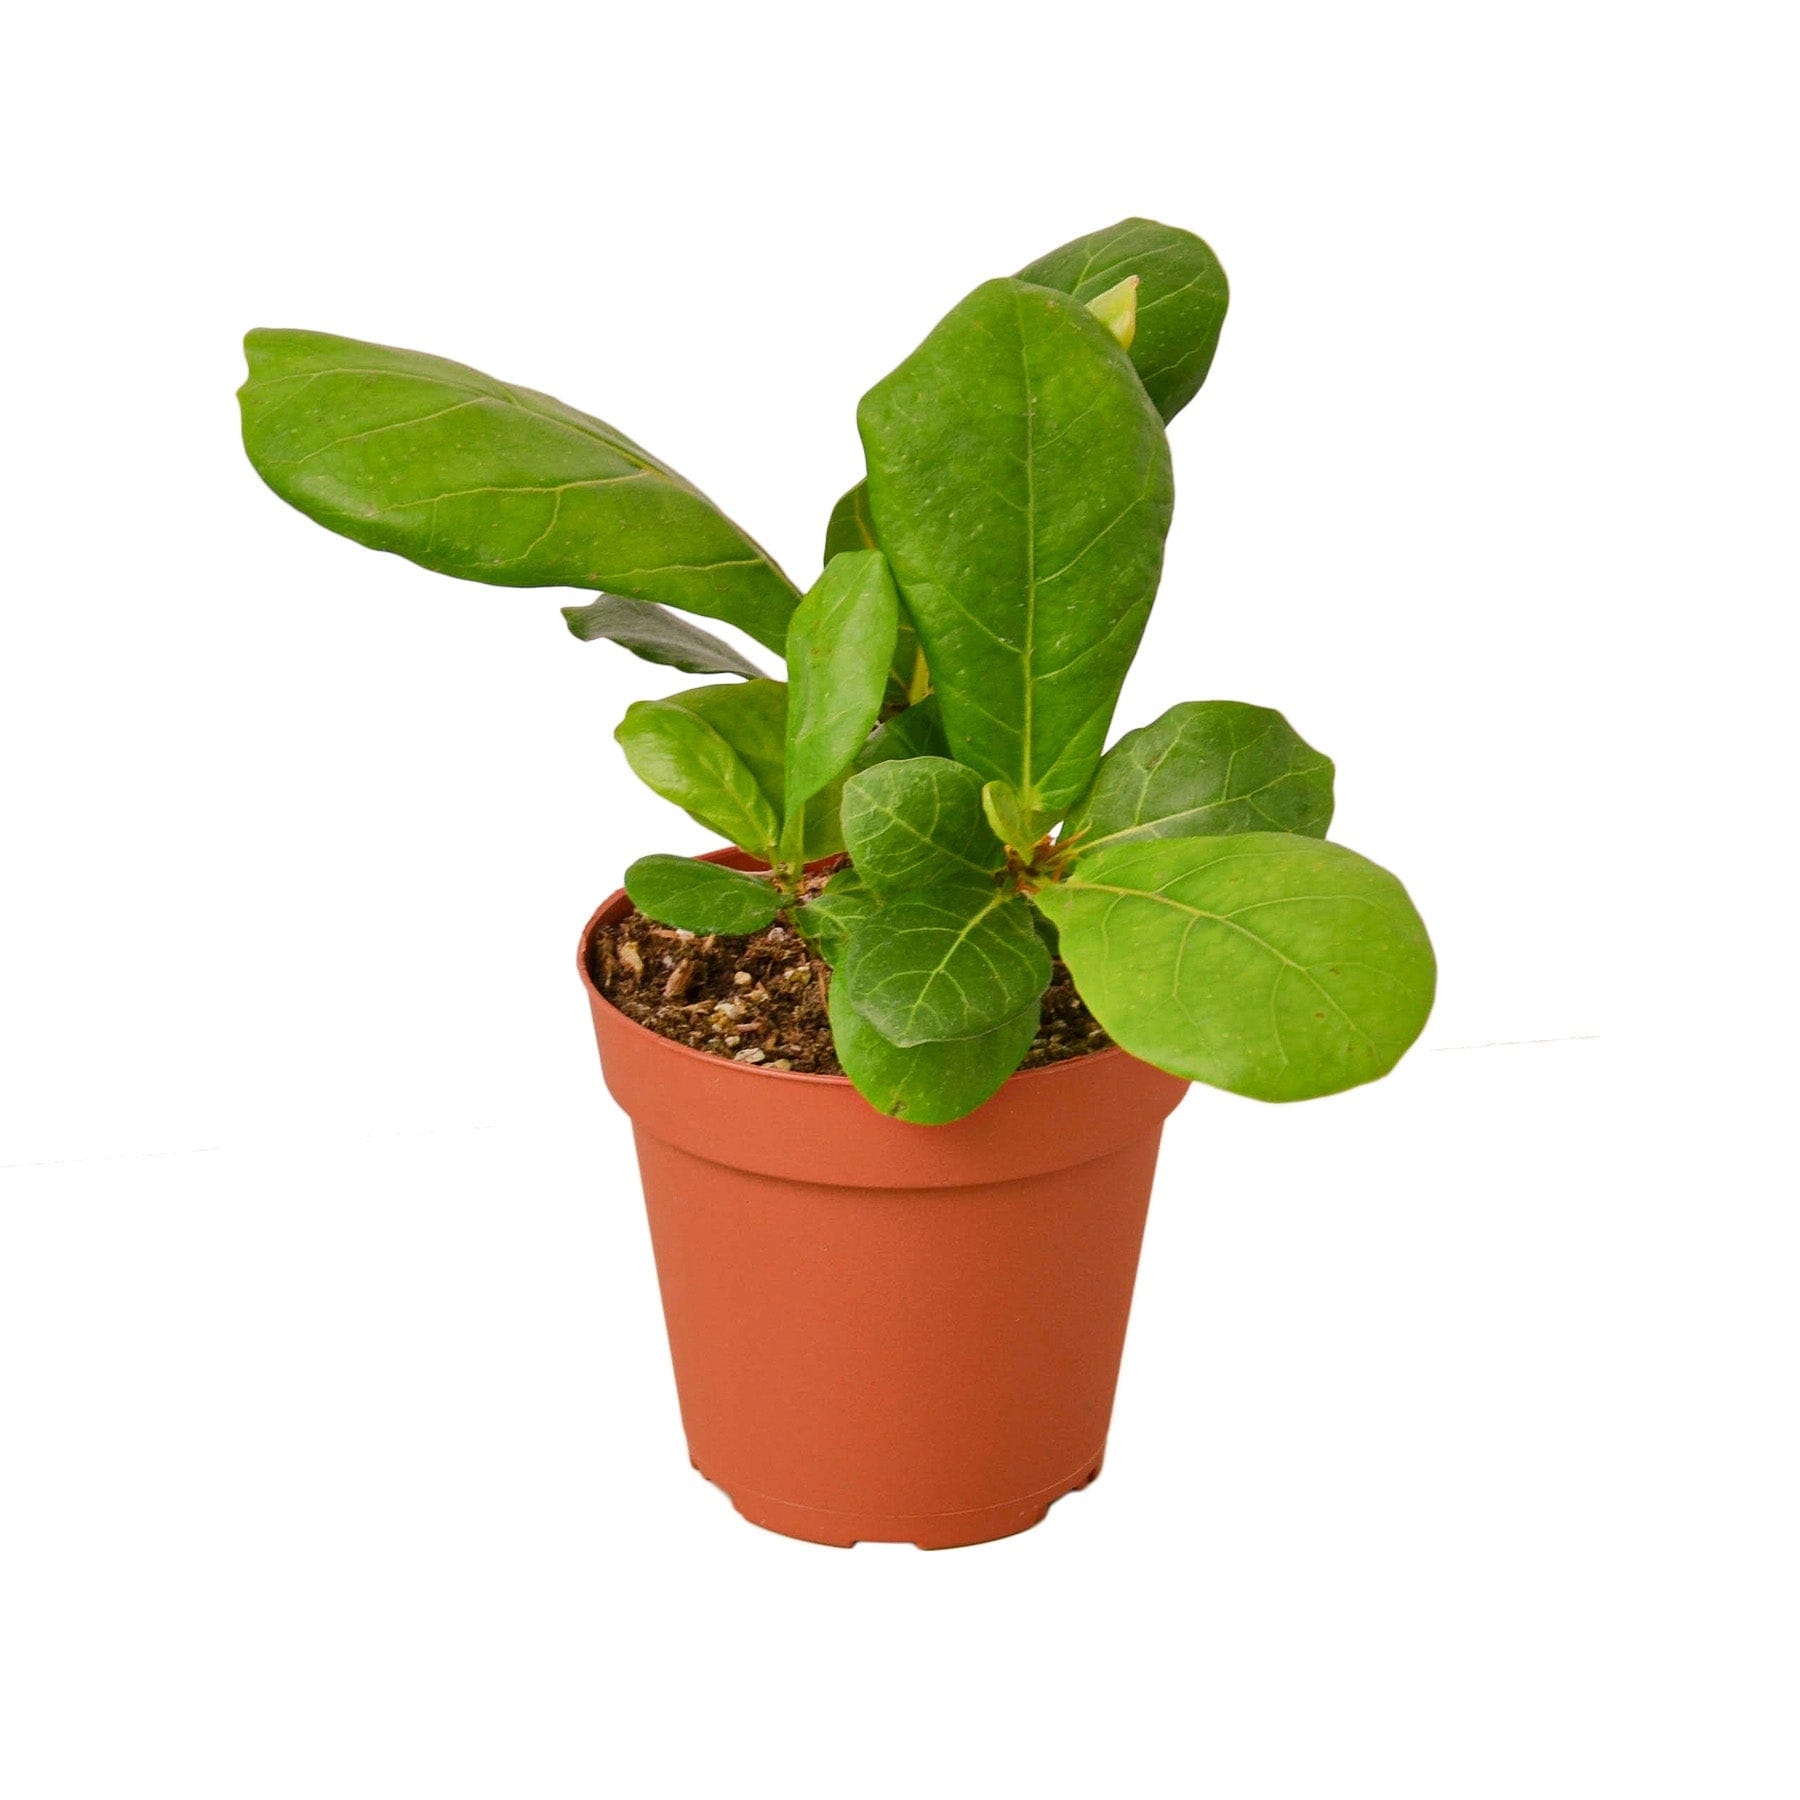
(928, 1084)
(1116, 309)
(851, 527)
(837, 654)
(1021, 489)
(719, 753)
(475, 478)
(1007, 818)
(950, 961)
(701, 896)
(919, 731)
(832, 916)
(1206, 768)
(1180, 303)
(716, 752)
(1271, 965)
(658, 636)
(916, 823)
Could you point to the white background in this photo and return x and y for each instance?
(1455, 1450)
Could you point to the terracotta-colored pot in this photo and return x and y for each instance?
(900, 1333)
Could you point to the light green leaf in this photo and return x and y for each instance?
(831, 917)
(658, 636)
(852, 528)
(716, 752)
(1268, 964)
(919, 731)
(1180, 303)
(719, 753)
(1007, 818)
(933, 1083)
(1021, 489)
(1206, 768)
(701, 896)
(476, 478)
(950, 961)
(1116, 309)
(916, 823)
(837, 654)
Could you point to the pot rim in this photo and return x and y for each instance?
(731, 856)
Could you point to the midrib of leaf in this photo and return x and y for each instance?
(1028, 653)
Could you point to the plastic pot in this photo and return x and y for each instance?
(883, 1331)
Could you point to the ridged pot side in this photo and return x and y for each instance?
(883, 1331)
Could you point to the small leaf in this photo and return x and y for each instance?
(950, 961)
(1007, 818)
(837, 653)
(1206, 768)
(851, 527)
(1021, 489)
(1116, 309)
(658, 636)
(928, 1084)
(716, 752)
(475, 478)
(1180, 304)
(914, 823)
(701, 896)
(1268, 964)
(831, 917)
(919, 731)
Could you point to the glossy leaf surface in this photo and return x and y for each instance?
(657, 635)
(1181, 299)
(1206, 768)
(477, 478)
(1275, 966)
(950, 961)
(928, 1084)
(701, 896)
(915, 823)
(837, 655)
(1021, 488)
(717, 753)
(852, 528)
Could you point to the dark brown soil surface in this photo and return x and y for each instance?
(761, 999)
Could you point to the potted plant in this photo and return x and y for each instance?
(896, 1264)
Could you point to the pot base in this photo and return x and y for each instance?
(926, 1531)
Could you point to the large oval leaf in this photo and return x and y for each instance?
(1020, 483)
(950, 961)
(701, 896)
(657, 635)
(838, 647)
(915, 823)
(1181, 299)
(473, 477)
(1206, 768)
(1274, 966)
(716, 752)
(928, 1084)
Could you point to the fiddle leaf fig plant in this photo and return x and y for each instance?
(939, 742)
